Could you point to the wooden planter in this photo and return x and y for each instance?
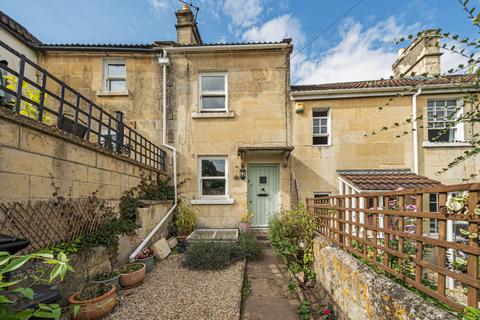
(133, 279)
(95, 308)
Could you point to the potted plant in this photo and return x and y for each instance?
(109, 277)
(245, 222)
(132, 274)
(185, 220)
(93, 301)
(146, 256)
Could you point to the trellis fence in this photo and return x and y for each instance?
(50, 222)
(390, 231)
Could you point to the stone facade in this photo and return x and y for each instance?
(33, 155)
(359, 293)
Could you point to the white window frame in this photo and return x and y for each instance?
(213, 93)
(329, 128)
(321, 194)
(459, 135)
(107, 78)
(200, 178)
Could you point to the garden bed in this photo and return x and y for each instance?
(172, 291)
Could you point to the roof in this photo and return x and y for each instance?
(19, 31)
(386, 83)
(212, 44)
(386, 179)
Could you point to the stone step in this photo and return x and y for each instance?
(261, 233)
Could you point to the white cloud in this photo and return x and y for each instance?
(281, 27)
(160, 5)
(244, 13)
(361, 54)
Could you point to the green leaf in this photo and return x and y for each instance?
(27, 292)
(473, 235)
(4, 253)
(45, 255)
(464, 232)
(55, 272)
(75, 309)
(24, 314)
(45, 315)
(4, 299)
(8, 284)
(4, 260)
(15, 264)
(477, 19)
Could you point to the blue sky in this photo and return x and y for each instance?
(359, 47)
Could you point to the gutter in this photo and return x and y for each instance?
(226, 47)
(415, 130)
(163, 61)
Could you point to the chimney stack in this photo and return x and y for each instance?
(187, 31)
(421, 57)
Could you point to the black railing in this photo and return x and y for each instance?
(73, 112)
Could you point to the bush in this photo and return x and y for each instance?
(185, 218)
(155, 190)
(249, 246)
(207, 255)
(291, 233)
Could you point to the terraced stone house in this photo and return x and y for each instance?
(245, 138)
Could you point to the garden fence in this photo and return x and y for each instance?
(430, 246)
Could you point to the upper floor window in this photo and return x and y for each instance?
(213, 92)
(442, 115)
(321, 126)
(213, 180)
(115, 76)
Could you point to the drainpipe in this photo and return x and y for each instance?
(415, 130)
(163, 61)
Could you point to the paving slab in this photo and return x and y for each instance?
(269, 298)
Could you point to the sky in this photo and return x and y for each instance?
(359, 45)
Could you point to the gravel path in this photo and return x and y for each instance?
(171, 291)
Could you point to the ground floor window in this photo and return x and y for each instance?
(213, 181)
(433, 207)
(321, 194)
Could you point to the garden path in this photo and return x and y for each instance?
(269, 298)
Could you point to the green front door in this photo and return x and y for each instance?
(263, 193)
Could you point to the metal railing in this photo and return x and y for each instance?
(71, 111)
(390, 231)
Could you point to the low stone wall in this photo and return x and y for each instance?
(99, 259)
(31, 153)
(359, 293)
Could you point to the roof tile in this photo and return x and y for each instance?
(18, 30)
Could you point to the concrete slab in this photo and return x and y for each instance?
(269, 298)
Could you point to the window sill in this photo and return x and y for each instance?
(212, 115)
(112, 93)
(321, 145)
(429, 144)
(213, 201)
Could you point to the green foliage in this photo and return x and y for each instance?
(207, 255)
(160, 189)
(292, 287)
(93, 291)
(245, 289)
(249, 247)
(59, 266)
(304, 310)
(292, 233)
(470, 313)
(185, 218)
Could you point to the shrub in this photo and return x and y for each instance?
(155, 190)
(249, 246)
(292, 233)
(207, 255)
(185, 218)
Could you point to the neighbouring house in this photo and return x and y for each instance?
(247, 139)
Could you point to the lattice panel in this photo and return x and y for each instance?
(49, 222)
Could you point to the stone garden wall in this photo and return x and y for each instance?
(32, 155)
(359, 293)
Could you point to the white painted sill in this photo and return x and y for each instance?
(212, 115)
(213, 201)
(429, 144)
(112, 93)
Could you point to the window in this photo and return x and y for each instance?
(321, 127)
(433, 207)
(213, 92)
(115, 76)
(213, 177)
(441, 115)
(321, 194)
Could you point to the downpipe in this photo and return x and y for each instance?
(415, 130)
(163, 61)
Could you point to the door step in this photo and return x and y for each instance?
(260, 233)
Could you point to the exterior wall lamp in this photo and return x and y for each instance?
(243, 173)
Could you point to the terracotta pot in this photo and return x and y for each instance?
(115, 281)
(95, 308)
(133, 279)
(244, 227)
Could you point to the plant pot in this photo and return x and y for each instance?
(148, 262)
(95, 308)
(115, 281)
(133, 279)
(244, 227)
